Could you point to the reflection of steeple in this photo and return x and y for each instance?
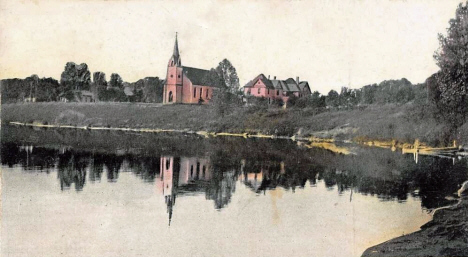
(168, 181)
(170, 202)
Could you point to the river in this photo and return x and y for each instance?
(88, 193)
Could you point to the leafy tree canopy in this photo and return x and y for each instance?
(228, 74)
(452, 59)
(75, 77)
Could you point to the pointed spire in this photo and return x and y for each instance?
(176, 47)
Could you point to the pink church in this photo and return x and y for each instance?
(185, 84)
(274, 89)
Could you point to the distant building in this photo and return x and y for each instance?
(79, 96)
(185, 84)
(30, 99)
(86, 96)
(129, 91)
(274, 89)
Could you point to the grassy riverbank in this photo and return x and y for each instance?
(403, 123)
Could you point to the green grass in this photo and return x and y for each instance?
(404, 123)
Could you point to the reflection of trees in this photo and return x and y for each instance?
(145, 167)
(72, 170)
(437, 178)
(10, 154)
(224, 175)
(221, 187)
(259, 164)
(113, 162)
(29, 157)
(97, 167)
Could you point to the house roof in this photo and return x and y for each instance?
(303, 84)
(264, 80)
(292, 85)
(285, 86)
(196, 75)
(288, 85)
(280, 84)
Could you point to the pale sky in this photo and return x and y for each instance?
(328, 43)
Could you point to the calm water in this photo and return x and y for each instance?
(81, 193)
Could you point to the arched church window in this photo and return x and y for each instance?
(207, 93)
(172, 76)
(178, 76)
(194, 92)
(258, 90)
(168, 163)
(170, 97)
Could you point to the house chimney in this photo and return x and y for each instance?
(297, 80)
(274, 77)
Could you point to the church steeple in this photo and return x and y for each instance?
(176, 47)
(175, 58)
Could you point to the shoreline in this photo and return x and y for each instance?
(418, 148)
(445, 235)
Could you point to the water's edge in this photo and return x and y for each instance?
(444, 235)
(418, 148)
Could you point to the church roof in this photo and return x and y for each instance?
(196, 75)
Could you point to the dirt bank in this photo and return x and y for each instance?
(445, 235)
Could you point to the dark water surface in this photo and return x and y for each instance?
(83, 193)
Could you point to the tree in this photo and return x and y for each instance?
(317, 100)
(452, 59)
(47, 90)
(347, 97)
(99, 79)
(152, 90)
(75, 77)
(116, 81)
(213, 79)
(228, 74)
(368, 94)
(225, 79)
(99, 85)
(333, 99)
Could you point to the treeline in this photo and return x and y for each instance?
(76, 85)
(389, 91)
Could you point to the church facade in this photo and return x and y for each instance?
(185, 84)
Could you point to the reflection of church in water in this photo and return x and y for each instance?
(191, 175)
(181, 175)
